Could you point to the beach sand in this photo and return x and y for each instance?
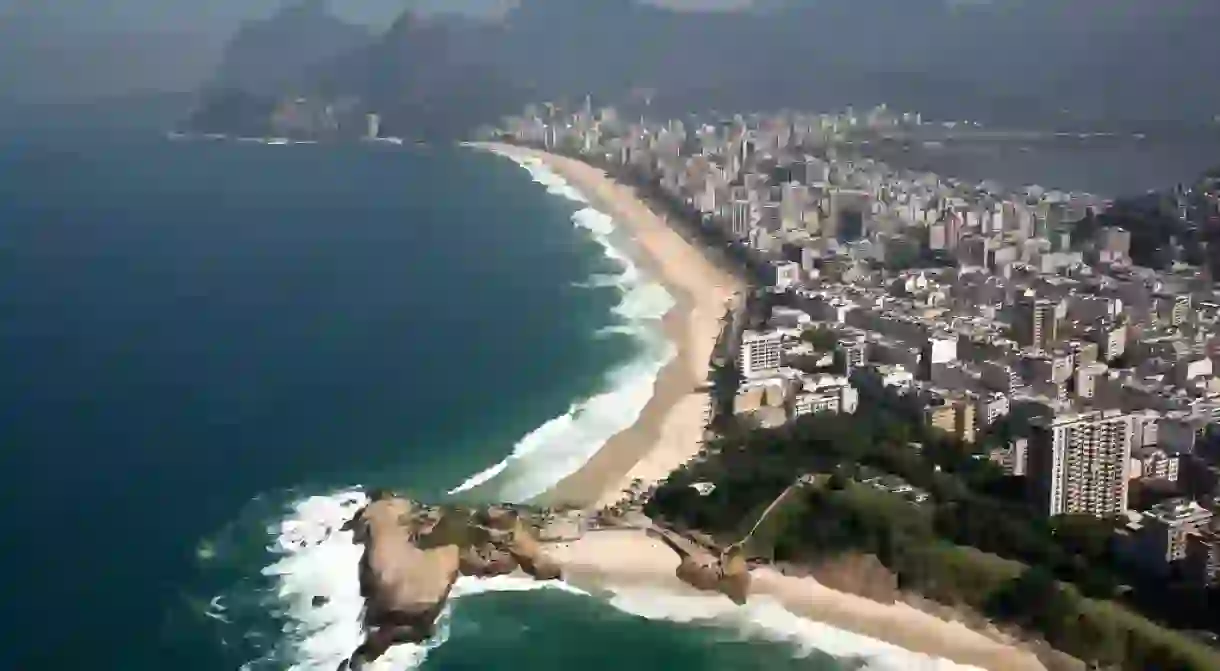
(669, 432)
(628, 559)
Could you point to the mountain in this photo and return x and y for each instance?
(278, 52)
(1009, 62)
(426, 77)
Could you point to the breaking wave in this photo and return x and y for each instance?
(562, 445)
(317, 589)
(764, 618)
(313, 577)
(317, 597)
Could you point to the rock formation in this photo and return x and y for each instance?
(414, 554)
(404, 587)
(705, 570)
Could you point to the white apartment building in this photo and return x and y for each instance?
(786, 274)
(1079, 463)
(825, 393)
(760, 352)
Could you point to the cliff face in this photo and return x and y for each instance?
(425, 78)
(405, 587)
(277, 54)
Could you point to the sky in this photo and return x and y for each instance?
(208, 15)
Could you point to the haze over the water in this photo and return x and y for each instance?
(1024, 61)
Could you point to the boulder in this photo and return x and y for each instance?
(486, 560)
(525, 548)
(405, 587)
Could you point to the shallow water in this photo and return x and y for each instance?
(211, 348)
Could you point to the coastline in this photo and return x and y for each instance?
(621, 562)
(669, 430)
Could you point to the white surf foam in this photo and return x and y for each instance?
(599, 281)
(555, 185)
(765, 618)
(317, 559)
(562, 445)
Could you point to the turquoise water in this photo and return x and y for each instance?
(211, 348)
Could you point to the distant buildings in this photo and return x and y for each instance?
(1203, 555)
(1036, 323)
(966, 305)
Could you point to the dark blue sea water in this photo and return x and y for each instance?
(208, 348)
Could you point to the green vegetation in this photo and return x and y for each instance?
(823, 338)
(974, 543)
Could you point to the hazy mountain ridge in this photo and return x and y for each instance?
(277, 52)
(1006, 62)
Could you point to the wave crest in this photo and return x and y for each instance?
(317, 589)
(764, 618)
(562, 445)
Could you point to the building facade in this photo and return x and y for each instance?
(1079, 464)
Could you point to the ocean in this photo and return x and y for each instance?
(1108, 166)
(211, 350)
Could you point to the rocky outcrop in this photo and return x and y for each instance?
(404, 587)
(486, 560)
(507, 532)
(705, 570)
(414, 554)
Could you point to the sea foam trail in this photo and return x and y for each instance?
(562, 445)
(316, 559)
(766, 619)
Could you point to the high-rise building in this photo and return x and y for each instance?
(939, 348)
(785, 274)
(1078, 464)
(1113, 244)
(954, 414)
(1036, 322)
(1203, 555)
(851, 353)
(1111, 340)
(760, 352)
(1160, 537)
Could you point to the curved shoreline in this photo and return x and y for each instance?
(669, 432)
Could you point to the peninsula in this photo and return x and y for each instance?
(414, 553)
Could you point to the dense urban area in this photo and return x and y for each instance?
(1007, 397)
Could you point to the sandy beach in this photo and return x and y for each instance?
(626, 559)
(669, 431)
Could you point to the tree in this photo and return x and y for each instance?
(821, 337)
